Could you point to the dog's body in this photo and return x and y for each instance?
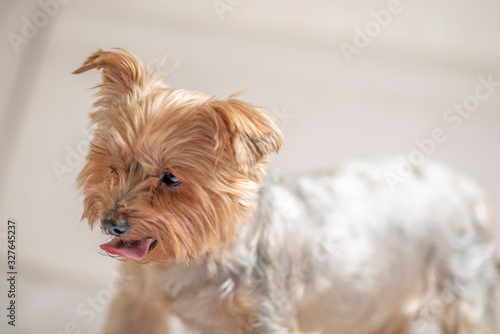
(339, 253)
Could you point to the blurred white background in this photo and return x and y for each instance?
(284, 54)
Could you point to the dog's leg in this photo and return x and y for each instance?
(136, 309)
(471, 314)
(471, 308)
(275, 315)
(131, 315)
(469, 270)
(400, 325)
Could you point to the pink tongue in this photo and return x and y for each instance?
(135, 250)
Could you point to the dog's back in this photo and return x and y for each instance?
(361, 256)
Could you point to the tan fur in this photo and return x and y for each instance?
(218, 148)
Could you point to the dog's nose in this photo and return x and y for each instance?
(114, 227)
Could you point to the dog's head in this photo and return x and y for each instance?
(170, 173)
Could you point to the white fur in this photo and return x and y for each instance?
(340, 252)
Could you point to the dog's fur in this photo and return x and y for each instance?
(238, 252)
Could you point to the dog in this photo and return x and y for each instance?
(179, 180)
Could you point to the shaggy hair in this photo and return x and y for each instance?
(178, 179)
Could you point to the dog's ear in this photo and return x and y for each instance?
(244, 131)
(119, 67)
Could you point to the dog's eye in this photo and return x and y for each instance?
(170, 180)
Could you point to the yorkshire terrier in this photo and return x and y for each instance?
(178, 179)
